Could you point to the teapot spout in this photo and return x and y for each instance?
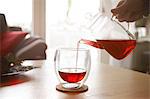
(91, 43)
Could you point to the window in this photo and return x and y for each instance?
(18, 13)
(60, 31)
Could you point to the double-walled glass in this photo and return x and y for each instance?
(72, 66)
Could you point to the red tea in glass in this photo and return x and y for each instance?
(72, 75)
(72, 66)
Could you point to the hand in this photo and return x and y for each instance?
(130, 10)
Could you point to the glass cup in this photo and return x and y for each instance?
(72, 66)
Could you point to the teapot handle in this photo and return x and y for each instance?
(131, 36)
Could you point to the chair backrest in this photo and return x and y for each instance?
(3, 24)
(14, 28)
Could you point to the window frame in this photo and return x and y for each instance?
(39, 18)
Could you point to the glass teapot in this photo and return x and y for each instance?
(110, 35)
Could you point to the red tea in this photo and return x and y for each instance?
(92, 43)
(72, 75)
(119, 49)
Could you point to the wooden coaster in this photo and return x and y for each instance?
(62, 89)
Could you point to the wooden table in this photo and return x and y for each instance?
(104, 82)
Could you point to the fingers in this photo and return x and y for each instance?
(129, 17)
(135, 16)
(114, 11)
(128, 11)
(120, 3)
(117, 10)
(122, 17)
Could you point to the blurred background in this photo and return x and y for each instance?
(59, 22)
